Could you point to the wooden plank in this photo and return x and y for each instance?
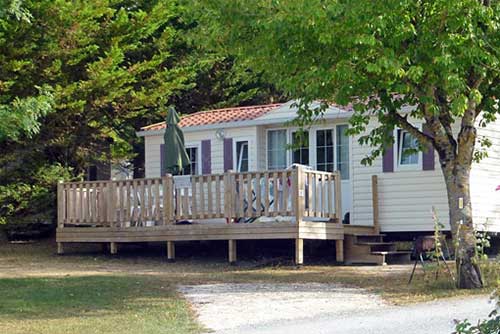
(241, 198)
(217, 195)
(258, 198)
(324, 185)
(127, 210)
(249, 212)
(210, 208)
(86, 217)
(228, 199)
(168, 200)
(202, 197)
(310, 211)
(375, 206)
(120, 219)
(60, 205)
(143, 201)
(80, 202)
(284, 180)
(266, 195)
(135, 213)
(338, 196)
(92, 199)
(275, 194)
(157, 200)
(178, 206)
(195, 180)
(330, 206)
(149, 185)
(185, 202)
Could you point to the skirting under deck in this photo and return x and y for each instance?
(278, 230)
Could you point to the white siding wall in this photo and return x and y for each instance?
(405, 197)
(152, 148)
(485, 176)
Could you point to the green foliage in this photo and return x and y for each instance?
(34, 199)
(483, 242)
(79, 78)
(488, 326)
(441, 57)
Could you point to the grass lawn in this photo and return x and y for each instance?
(89, 292)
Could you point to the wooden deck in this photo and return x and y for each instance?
(287, 204)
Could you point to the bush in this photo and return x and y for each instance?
(31, 201)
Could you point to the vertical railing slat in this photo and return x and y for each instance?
(249, 211)
(210, 207)
(284, 181)
(218, 196)
(275, 194)
(267, 202)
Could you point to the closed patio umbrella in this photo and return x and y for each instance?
(175, 154)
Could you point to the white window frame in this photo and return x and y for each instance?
(397, 154)
(349, 143)
(198, 157)
(235, 156)
(314, 161)
(287, 135)
(290, 142)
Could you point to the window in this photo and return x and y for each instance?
(300, 143)
(342, 152)
(324, 150)
(242, 156)
(276, 149)
(405, 143)
(192, 168)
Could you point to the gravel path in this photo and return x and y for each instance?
(322, 308)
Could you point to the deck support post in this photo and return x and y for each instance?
(60, 248)
(339, 250)
(170, 251)
(299, 251)
(113, 248)
(232, 251)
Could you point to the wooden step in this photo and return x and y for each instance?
(393, 257)
(375, 243)
(368, 237)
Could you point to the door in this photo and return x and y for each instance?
(331, 149)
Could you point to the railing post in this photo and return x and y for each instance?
(61, 202)
(299, 193)
(229, 195)
(110, 198)
(168, 195)
(338, 197)
(376, 223)
(61, 212)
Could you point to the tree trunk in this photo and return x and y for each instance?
(462, 228)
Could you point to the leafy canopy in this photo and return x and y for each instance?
(440, 56)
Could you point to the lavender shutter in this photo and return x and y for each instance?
(162, 159)
(206, 157)
(228, 154)
(428, 156)
(388, 160)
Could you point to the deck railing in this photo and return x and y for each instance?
(238, 197)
